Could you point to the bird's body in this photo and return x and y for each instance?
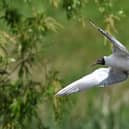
(119, 62)
(117, 68)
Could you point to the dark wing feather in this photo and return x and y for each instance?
(115, 76)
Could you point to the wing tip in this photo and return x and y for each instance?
(58, 94)
(67, 91)
(93, 24)
(97, 27)
(61, 93)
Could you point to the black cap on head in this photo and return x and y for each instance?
(100, 61)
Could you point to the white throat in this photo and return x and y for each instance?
(108, 60)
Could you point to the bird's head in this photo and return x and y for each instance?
(100, 61)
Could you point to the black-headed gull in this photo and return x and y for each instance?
(117, 70)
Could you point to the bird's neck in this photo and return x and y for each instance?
(108, 60)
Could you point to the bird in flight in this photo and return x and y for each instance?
(117, 69)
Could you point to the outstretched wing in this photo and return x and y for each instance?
(85, 82)
(101, 76)
(118, 47)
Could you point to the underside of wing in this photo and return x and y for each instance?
(86, 82)
(118, 47)
(114, 76)
(100, 77)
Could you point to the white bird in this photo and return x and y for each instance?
(117, 70)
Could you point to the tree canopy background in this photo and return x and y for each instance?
(47, 44)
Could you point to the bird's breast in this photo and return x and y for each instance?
(119, 62)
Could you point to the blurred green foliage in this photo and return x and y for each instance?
(43, 41)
